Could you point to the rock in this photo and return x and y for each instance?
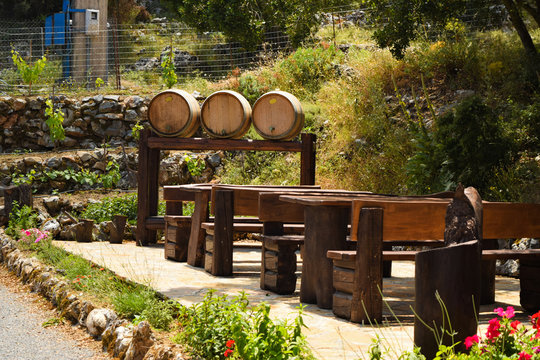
(146, 64)
(142, 341)
(114, 98)
(507, 268)
(54, 163)
(98, 98)
(86, 156)
(31, 161)
(98, 320)
(69, 142)
(52, 204)
(109, 107)
(100, 165)
(214, 160)
(75, 132)
(159, 352)
(52, 226)
(134, 101)
(86, 308)
(72, 311)
(18, 104)
(35, 104)
(130, 115)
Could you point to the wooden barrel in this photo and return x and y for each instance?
(174, 112)
(278, 115)
(226, 114)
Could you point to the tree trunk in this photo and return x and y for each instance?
(521, 28)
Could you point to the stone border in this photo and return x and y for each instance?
(119, 338)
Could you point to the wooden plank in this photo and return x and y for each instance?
(344, 280)
(342, 305)
(196, 236)
(308, 159)
(222, 144)
(511, 220)
(505, 254)
(223, 233)
(174, 208)
(366, 301)
(153, 193)
(154, 223)
(453, 272)
(183, 192)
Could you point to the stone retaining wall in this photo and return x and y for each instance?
(120, 338)
(88, 122)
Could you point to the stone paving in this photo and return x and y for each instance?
(329, 337)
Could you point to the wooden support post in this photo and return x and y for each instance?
(223, 234)
(195, 255)
(529, 278)
(153, 190)
(308, 159)
(143, 207)
(22, 194)
(366, 304)
(488, 273)
(326, 229)
(83, 230)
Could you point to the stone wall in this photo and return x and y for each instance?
(88, 122)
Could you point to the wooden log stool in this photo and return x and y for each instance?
(278, 268)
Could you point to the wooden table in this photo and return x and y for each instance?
(326, 218)
(325, 229)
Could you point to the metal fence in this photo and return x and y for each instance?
(133, 53)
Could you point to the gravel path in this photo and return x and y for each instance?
(23, 338)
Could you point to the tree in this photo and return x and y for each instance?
(403, 18)
(247, 21)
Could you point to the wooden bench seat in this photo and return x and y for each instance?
(500, 220)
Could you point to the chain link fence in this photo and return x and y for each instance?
(128, 54)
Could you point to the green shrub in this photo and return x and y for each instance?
(108, 207)
(303, 72)
(251, 88)
(21, 217)
(250, 329)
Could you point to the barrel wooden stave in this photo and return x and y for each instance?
(226, 114)
(278, 115)
(173, 113)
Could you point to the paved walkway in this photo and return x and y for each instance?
(330, 337)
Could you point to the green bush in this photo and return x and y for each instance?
(466, 145)
(254, 335)
(108, 207)
(251, 88)
(303, 72)
(21, 217)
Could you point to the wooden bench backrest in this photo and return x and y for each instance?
(271, 208)
(425, 219)
(246, 197)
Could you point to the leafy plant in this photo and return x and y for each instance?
(99, 83)
(108, 207)
(167, 70)
(136, 130)
(21, 217)
(195, 165)
(29, 73)
(55, 119)
(250, 329)
(112, 175)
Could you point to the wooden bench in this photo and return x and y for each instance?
(358, 274)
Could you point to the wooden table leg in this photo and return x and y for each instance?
(222, 252)
(196, 237)
(326, 229)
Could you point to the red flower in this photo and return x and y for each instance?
(524, 356)
(514, 325)
(535, 320)
(493, 328)
(230, 343)
(228, 352)
(471, 340)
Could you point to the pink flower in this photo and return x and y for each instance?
(493, 328)
(524, 356)
(471, 340)
(509, 313)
